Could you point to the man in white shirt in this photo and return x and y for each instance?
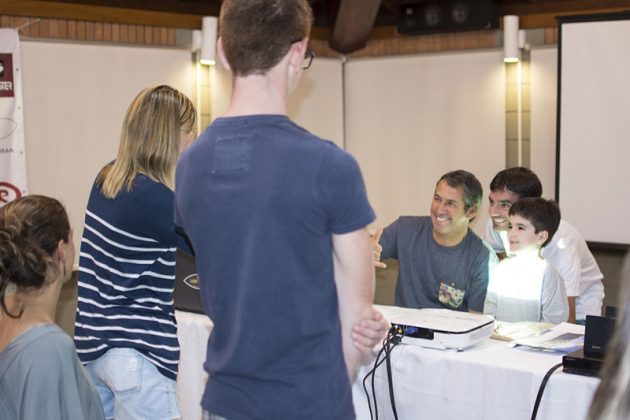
(567, 252)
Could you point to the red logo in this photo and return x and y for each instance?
(6, 75)
(8, 193)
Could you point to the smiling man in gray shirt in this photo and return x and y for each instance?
(443, 264)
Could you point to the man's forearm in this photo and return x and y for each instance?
(571, 300)
(354, 279)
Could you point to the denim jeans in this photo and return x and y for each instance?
(131, 387)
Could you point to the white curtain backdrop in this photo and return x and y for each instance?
(12, 154)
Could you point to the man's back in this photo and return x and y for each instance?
(259, 199)
(568, 253)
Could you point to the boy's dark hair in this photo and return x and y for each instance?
(519, 180)
(542, 214)
(469, 183)
(256, 34)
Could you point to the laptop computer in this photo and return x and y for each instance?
(187, 295)
(590, 360)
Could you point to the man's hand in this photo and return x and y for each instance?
(369, 332)
(377, 248)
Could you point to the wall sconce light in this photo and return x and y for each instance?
(511, 39)
(197, 40)
(209, 41)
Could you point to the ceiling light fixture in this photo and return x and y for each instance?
(209, 41)
(511, 53)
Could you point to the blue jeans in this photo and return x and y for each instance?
(131, 387)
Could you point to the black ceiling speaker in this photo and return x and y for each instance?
(419, 17)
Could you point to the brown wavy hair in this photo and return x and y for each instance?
(30, 229)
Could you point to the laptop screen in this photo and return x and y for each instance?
(186, 296)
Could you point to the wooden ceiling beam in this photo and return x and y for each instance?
(59, 10)
(192, 7)
(543, 14)
(353, 25)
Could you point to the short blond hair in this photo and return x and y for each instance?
(149, 142)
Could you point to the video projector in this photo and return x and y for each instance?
(439, 328)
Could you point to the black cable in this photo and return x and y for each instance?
(371, 372)
(391, 341)
(542, 389)
(376, 365)
(390, 381)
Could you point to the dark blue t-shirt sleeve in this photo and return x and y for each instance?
(389, 241)
(342, 193)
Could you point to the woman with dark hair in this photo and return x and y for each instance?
(40, 374)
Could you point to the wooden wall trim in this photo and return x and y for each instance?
(67, 11)
(392, 44)
(80, 30)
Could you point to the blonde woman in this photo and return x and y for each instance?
(612, 397)
(125, 330)
(40, 374)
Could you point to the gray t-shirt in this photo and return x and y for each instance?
(526, 288)
(435, 276)
(41, 378)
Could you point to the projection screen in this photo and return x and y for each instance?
(593, 139)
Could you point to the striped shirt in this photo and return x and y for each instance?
(127, 275)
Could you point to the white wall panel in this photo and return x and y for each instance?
(316, 104)
(544, 70)
(75, 98)
(411, 119)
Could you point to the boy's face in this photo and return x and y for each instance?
(523, 237)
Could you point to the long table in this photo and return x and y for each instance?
(193, 331)
(487, 381)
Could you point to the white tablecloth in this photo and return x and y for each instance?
(487, 381)
(193, 331)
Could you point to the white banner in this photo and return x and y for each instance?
(12, 153)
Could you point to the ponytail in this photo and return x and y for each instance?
(30, 228)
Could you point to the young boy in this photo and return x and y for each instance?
(524, 287)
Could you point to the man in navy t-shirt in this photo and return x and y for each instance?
(276, 217)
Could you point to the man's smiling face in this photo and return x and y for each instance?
(499, 207)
